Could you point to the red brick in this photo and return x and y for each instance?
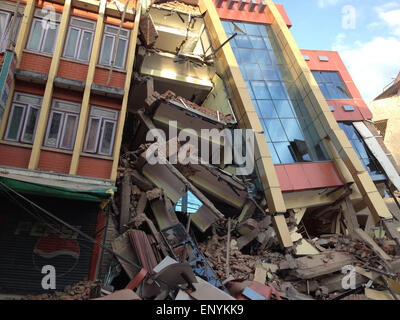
(35, 62)
(95, 168)
(72, 70)
(14, 156)
(54, 162)
(117, 78)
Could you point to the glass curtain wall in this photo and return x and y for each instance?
(287, 125)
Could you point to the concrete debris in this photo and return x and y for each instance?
(83, 290)
(187, 225)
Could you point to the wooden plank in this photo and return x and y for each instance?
(364, 237)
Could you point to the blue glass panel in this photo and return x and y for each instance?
(237, 55)
(292, 129)
(284, 109)
(253, 72)
(227, 26)
(252, 29)
(332, 91)
(348, 108)
(263, 30)
(277, 91)
(260, 90)
(331, 85)
(250, 90)
(284, 153)
(324, 91)
(241, 67)
(317, 76)
(241, 26)
(262, 56)
(269, 73)
(267, 42)
(348, 130)
(257, 42)
(274, 156)
(247, 56)
(243, 42)
(264, 125)
(267, 109)
(360, 148)
(193, 203)
(255, 104)
(275, 130)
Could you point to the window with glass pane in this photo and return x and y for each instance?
(79, 39)
(24, 115)
(43, 36)
(92, 135)
(53, 132)
(15, 123)
(30, 125)
(263, 71)
(366, 157)
(331, 85)
(68, 135)
(4, 16)
(101, 131)
(107, 138)
(109, 41)
(62, 125)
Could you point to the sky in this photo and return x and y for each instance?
(366, 33)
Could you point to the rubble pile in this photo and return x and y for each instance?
(178, 5)
(83, 290)
(217, 230)
(195, 230)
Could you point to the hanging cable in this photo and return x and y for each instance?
(84, 235)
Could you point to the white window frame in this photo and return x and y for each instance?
(3, 36)
(82, 31)
(114, 37)
(30, 35)
(44, 39)
(38, 17)
(97, 135)
(76, 115)
(103, 125)
(78, 45)
(100, 131)
(27, 107)
(61, 131)
(20, 124)
(49, 127)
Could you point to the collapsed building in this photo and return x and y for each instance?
(122, 164)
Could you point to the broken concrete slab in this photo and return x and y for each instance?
(379, 295)
(206, 291)
(325, 263)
